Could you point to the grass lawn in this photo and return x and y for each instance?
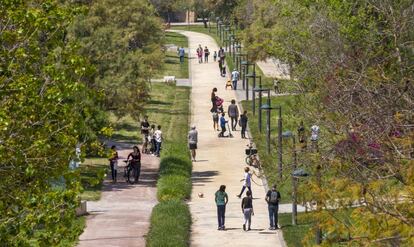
(93, 172)
(172, 65)
(171, 219)
(294, 235)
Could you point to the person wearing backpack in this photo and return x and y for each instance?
(272, 199)
(221, 199)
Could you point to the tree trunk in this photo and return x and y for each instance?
(205, 22)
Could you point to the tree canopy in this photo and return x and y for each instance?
(123, 40)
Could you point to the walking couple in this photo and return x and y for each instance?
(202, 52)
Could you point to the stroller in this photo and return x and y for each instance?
(221, 134)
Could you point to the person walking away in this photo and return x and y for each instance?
(206, 54)
(135, 158)
(221, 55)
(243, 124)
(144, 132)
(181, 53)
(233, 112)
(247, 209)
(223, 122)
(221, 199)
(213, 100)
(215, 121)
(158, 140)
(246, 182)
(272, 199)
(234, 78)
(192, 142)
(113, 163)
(215, 56)
(200, 54)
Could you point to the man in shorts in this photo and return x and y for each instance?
(145, 127)
(192, 142)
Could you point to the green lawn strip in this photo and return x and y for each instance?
(92, 174)
(171, 219)
(294, 235)
(172, 65)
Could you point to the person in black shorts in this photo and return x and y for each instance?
(145, 127)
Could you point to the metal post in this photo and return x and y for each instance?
(268, 131)
(280, 141)
(254, 81)
(254, 94)
(246, 81)
(294, 184)
(260, 103)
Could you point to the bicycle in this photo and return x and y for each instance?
(129, 172)
(251, 158)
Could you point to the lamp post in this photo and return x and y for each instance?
(226, 35)
(231, 45)
(253, 75)
(246, 65)
(217, 25)
(220, 25)
(239, 57)
(288, 134)
(260, 90)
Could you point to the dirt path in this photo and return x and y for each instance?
(121, 217)
(220, 161)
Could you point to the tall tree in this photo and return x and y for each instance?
(354, 60)
(45, 109)
(123, 40)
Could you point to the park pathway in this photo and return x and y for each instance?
(220, 161)
(121, 217)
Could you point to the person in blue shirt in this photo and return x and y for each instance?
(223, 122)
(181, 53)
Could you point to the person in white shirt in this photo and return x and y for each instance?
(158, 140)
(234, 78)
(192, 142)
(246, 182)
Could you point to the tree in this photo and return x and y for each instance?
(168, 7)
(353, 59)
(123, 40)
(45, 110)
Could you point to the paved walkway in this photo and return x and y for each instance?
(220, 161)
(121, 217)
(274, 68)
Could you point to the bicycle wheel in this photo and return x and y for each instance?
(248, 160)
(131, 175)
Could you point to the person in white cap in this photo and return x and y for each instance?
(192, 142)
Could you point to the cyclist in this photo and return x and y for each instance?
(144, 132)
(135, 158)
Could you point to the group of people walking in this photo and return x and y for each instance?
(151, 144)
(217, 110)
(272, 199)
(203, 53)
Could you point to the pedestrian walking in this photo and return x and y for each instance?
(151, 139)
(213, 100)
(215, 56)
(223, 122)
(135, 158)
(221, 54)
(192, 142)
(272, 199)
(243, 124)
(246, 182)
(144, 133)
(233, 112)
(113, 163)
(215, 121)
(158, 140)
(200, 54)
(220, 63)
(206, 54)
(221, 199)
(181, 53)
(247, 209)
(234, 78)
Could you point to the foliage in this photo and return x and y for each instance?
(123, 41)
(170, 224)
(92, 174)
(45, 110)
(356, 58)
